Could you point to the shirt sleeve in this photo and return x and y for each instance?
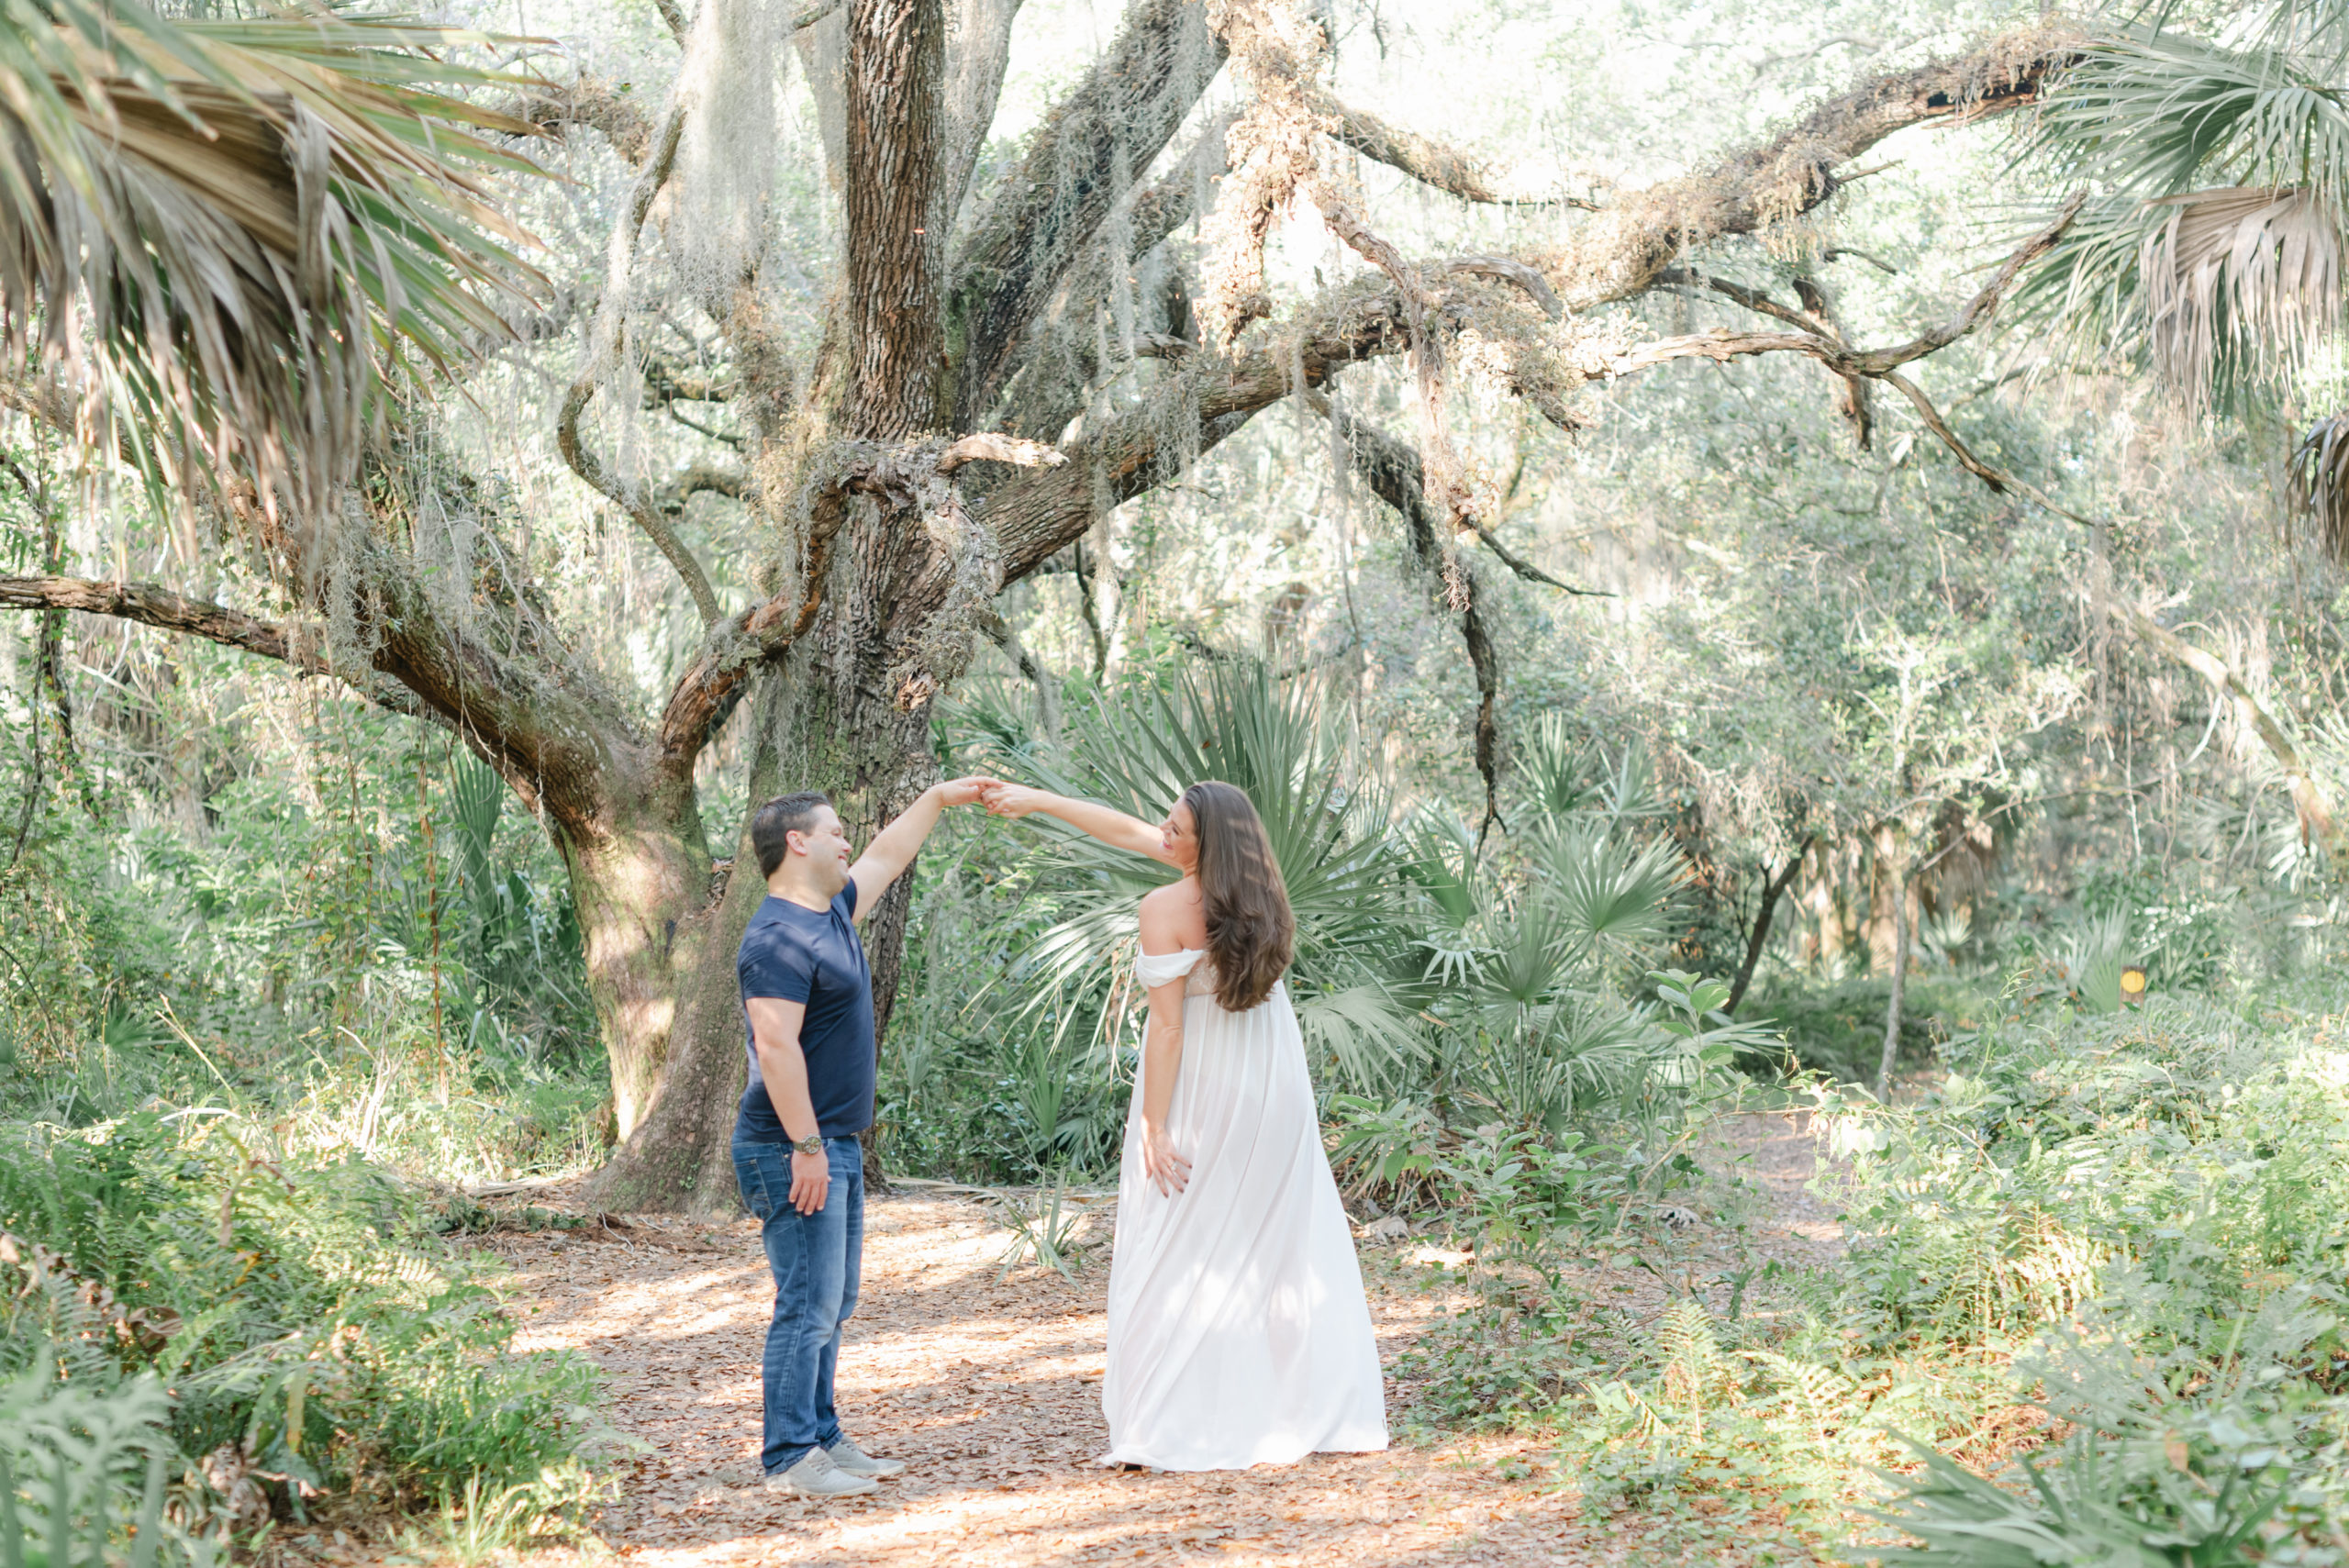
(845, 903)
(774, 966)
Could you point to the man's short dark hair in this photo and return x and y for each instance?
(778, 818)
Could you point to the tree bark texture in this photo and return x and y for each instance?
(882, 539)
(897, 239)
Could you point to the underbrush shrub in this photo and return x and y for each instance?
(2162, 1196)
(316, 1340)
(2100, 1262)
(1837, 1031)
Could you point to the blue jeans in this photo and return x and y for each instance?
(816, 1259)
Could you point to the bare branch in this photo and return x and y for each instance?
(990, 447)
(1531, 572)
(1837, 252)
(673, 16)
(1998, 482)
(1818, 342)
(149, 605)
(1429, 161)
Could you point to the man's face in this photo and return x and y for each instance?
(825, 845)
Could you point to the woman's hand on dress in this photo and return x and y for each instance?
(1012, 800)
(1161, 1163)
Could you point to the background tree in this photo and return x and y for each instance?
(987, 378)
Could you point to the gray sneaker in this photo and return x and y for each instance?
(817, 1476)
(856, 1461)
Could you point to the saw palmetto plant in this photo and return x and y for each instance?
(2217, 170)
(220, 235)
(1329, 833)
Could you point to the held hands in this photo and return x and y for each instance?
(1161, 1163)
(966, 792)
(1011, 800)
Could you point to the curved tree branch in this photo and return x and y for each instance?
(648, 517)
(1429, 161)
(604, 344)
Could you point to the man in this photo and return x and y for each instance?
(808, 1006)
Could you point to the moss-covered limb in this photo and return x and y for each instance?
(588, 101)
(1619, 252)
(1046, 208)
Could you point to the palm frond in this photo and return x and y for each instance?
(225, 231)
(1608, 897)
(2254, 270)
(2319, 483)
(1142, 749)
(2212, 241)
(1363, 1028)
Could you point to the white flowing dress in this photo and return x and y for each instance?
(1238, 1330)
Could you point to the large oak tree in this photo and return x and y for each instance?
(963, 422)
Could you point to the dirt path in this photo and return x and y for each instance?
(989, 1386)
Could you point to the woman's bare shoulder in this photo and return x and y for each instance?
(1173, 913)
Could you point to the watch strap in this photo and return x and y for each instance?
(809, 1145)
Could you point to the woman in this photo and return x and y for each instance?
(1237, 1331)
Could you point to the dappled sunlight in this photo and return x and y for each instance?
(988, 1384)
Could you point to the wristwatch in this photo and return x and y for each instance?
(812, 1144)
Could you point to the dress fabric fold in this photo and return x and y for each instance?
(1239, 1334)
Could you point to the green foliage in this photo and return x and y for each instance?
(301, 1318)
(375, 954)
(1837, 1030)
(83, 1468)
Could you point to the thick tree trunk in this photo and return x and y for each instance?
(638, 888)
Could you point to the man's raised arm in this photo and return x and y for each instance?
(893, 848)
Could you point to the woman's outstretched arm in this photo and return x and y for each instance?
(1112, 826)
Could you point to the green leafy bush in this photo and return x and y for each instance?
(314, 1338)
(1837, 1030)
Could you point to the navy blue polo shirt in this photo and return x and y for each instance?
(799, 954)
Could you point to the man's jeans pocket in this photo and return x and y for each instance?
(763, 1176)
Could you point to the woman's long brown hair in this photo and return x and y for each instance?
(1252, 931)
